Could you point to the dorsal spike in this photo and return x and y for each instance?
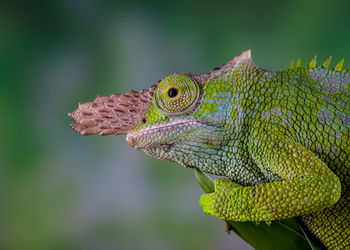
(298, 63)
(291, 66)
(339, 66)
(346, 70)
(326, 63)
(312, 64)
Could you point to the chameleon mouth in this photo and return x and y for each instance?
(161, 135)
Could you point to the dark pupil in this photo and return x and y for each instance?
(172, 92)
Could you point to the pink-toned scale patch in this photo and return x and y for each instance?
(116, 114)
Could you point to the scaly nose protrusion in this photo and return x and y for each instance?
(116, 114)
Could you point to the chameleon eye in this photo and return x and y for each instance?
(177, 94)
(172, 92)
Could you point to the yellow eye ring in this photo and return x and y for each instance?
(177, 94)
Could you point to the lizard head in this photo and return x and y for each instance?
(178, 119)
(155, 120)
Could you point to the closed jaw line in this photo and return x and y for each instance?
(172, 126)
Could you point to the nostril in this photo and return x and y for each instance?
(131, 141)
(167, 146)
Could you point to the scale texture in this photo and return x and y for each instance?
(280, 139)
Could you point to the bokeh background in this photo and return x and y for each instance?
(60, 190)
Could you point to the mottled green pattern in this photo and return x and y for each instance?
(282, 139)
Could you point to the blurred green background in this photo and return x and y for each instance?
(60, 190)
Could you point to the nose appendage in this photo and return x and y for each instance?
(116, 114)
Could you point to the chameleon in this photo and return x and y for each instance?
(279, 140)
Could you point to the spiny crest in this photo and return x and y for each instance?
(325, 64)
(291, 66)
(312, 64)
(339, 66)
(346, 70)
(298, 63)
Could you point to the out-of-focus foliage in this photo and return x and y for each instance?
(60, 190)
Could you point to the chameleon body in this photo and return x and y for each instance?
(281, 139)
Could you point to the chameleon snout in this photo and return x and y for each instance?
(116, 114)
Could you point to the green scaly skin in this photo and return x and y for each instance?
(281, 139)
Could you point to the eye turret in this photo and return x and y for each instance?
(177, 94)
